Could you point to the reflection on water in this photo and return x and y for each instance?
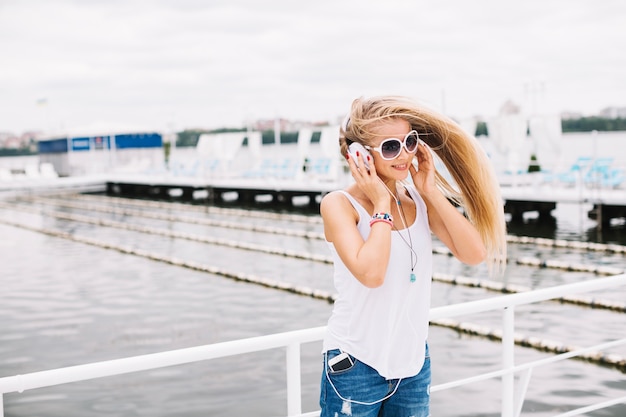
(545, 227)
(569, 222)
(67, 303)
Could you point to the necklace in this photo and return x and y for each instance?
(409, 243)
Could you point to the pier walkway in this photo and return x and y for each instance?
(607, 203)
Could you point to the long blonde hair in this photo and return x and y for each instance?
(477, 191)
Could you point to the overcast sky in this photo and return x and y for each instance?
(174, 64)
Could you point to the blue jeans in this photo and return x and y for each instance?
(360, 391)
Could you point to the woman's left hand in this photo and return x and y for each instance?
(424, 178)
(446, 222)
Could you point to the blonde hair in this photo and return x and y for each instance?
(478, 191)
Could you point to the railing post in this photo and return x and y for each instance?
(508, 361)
(294, 384)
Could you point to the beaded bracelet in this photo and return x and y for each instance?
(389, 222)
(382, 217)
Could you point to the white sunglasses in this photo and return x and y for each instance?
(391, 148)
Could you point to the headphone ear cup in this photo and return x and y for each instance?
(355, 148)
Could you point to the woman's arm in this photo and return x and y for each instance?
(454, 230)
(367, 259)
(446, 222)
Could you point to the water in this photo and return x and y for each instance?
(67, 303)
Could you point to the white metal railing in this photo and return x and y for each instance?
(511, 406)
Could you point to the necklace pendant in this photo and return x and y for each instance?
(413, 277)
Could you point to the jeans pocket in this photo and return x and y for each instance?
(334, 367)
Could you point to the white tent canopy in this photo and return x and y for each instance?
(547, 132)
(255, 143)
(220, 146)
(329, 141)
(508, 135)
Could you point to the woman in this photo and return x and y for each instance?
(376, 360)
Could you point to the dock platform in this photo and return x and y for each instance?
(607, 204)
(243, 190)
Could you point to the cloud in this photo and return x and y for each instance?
(197, 63)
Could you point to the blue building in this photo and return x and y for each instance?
(86, 154)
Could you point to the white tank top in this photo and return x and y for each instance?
(386, 327)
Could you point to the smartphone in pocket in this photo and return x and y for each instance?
(340, 362)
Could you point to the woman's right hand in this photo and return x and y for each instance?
(367, 180)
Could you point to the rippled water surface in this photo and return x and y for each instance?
(68, 302)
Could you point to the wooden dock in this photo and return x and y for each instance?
(245, 191)
(606, 204)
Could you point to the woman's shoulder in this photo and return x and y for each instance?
(338, 201)
(334, 195)
(334, 199)
(347, 196)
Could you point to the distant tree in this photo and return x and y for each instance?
(588, 124)
(190, 137)
(533, 166)
(18, 152)
(285, 137)
(481, 129)
(583, 124)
